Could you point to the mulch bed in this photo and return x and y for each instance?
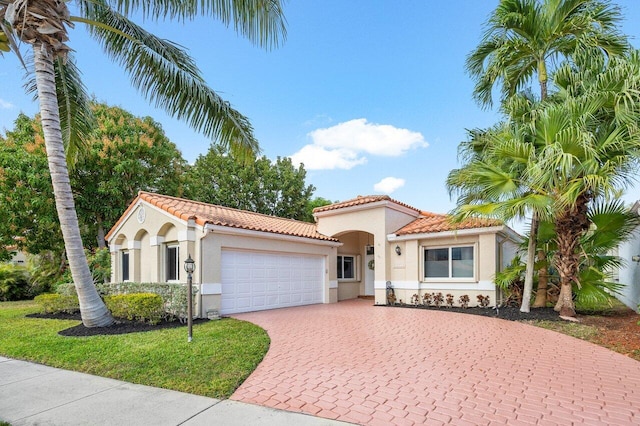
(121, 326)
(510, 313)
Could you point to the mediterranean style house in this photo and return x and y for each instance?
(247, 261)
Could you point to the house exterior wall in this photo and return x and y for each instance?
(214, 242)
(146, 244)
(146, 237)
(375, 220)
(491, 252)
(19, 258)
(629, 274)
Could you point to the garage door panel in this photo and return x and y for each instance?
(259, 280)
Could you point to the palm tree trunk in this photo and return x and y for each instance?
(93, 310)
(543, 283)
(569, 228)
(531, 261)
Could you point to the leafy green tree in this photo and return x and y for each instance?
(161, 70)
(523, 39)
(314, 204)
(125, 154)
(27, 206)
(274, 188)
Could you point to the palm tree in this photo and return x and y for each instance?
(582, 145)
(522, 40)
(161, 70)
(611, 224)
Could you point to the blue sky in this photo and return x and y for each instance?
(371, 95)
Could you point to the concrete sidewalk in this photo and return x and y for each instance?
(34, 394)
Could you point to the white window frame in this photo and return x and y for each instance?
(124, 253)
(356, 267)
(474, 247)
(166, 263)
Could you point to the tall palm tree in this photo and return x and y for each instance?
(523, 39)
(158, 68)
(582, 145)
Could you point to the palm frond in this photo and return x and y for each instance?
(76, 119)
(167, 76)
(260, 21)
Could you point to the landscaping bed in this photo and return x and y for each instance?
(510, 313)
(121, 326)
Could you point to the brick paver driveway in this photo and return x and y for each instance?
(358, 363)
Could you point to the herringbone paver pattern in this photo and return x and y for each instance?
(358, 363)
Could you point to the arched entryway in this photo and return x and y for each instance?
(355, 265)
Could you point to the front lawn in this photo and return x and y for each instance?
(220, 357)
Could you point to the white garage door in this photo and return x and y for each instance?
(255, 281)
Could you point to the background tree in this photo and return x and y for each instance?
(125, 154)
(27, 206)
(313, 204)
(162, 71)
(274, 188)
(526, 39)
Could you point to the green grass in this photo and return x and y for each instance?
(220, 357)
(611, 307)
(580, 331)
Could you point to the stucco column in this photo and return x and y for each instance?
(187, 242)
(156, 254)
(114, 249)
(134, 261)
(382, 271)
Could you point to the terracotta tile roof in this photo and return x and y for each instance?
(432, 222)
(204, 214)
(361, 200)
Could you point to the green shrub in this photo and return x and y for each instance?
(55, 303)
(174, 296)
(14, 282)
(144, 307)
(68, 289)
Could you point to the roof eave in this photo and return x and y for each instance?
(368, 206)
(502, 229)
(230, 230)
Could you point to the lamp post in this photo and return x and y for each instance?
(190, 266)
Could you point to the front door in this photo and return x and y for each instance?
(369, 272)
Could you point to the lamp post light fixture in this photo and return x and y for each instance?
(190, 267)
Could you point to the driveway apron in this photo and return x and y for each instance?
(364, 364)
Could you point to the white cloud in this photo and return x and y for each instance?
(316, 157)
(389, 185)
(5, 105)
(344, 145)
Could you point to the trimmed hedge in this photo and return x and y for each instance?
(174, 295)
(144, 307)
(51, 303)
